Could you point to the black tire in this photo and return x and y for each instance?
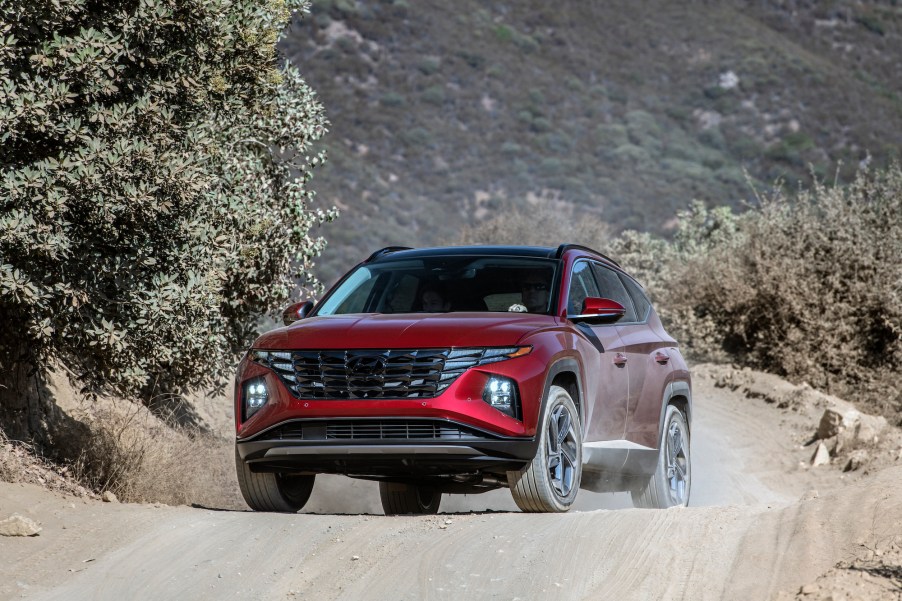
(551, 480)
(284, 493)
(399, 499)
(669, 486)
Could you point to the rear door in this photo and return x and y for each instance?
(646, 353)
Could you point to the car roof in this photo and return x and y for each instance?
(397, 252)
(543, 252)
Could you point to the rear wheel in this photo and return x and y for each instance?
(669, 485)
(408, 498)
(551, 480)
(285, 493)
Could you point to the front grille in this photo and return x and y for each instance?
(374, 373)
(394, 429)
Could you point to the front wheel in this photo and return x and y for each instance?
(398, 499)
(669, 485)
(264, 491)
(551, 480)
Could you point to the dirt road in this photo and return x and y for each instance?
(756, 527)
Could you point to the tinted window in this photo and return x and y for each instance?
(639, 299)
(611, 287)
(582, 284)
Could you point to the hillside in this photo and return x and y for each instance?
(443, 113)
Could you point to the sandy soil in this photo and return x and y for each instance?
(762, 525)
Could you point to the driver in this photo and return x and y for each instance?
(434, 300)
(534, 289)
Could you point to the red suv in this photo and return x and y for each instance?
(461, 370)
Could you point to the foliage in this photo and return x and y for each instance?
(154, 171)
(808, 286)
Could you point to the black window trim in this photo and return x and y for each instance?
(570, 282)
(625, 289)
(645, 318)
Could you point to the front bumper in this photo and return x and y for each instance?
(379, 448)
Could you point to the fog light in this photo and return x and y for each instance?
(501, 393)
(255, 396)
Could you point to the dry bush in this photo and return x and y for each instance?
(142, 459)
(547, 224)
(808, 287)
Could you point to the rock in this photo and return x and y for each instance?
(109, 497)
(810, 589)
(857, 458)
(850, 427)
(869, 427)
(821, 455)
(16, 525)
(834, 421)
(843, 441)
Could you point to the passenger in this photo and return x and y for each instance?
(534, 291)
(433, 300)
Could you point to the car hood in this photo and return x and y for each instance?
(405, 331)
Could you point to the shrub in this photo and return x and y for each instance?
(154, 168)
(392, 99)
(140, 459)
(548, 223)
(809, 287)
(429, 65)
(434, 95)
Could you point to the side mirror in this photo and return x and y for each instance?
(600, 310)
(296, 311)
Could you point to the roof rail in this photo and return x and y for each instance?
(385, 251)
(565, 247)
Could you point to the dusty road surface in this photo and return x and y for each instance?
(762, 525)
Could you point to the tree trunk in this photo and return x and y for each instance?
(27, 410)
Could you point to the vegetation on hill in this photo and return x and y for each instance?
(154, 167)
(445, 112)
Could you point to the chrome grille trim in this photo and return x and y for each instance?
(375, 373)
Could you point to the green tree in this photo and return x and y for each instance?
(154, 199)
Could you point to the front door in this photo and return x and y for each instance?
(608, 374)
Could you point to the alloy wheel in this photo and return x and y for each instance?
(561, 441)
(677, 462)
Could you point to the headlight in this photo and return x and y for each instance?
(255, 396)
(501, 393)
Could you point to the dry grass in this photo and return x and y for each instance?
(112, 445)
(142, 459)
(19, 462)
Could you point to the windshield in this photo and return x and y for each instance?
(445, 284)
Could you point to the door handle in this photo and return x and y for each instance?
(619, 359)
(662, 358)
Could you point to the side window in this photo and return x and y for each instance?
(582, 284)
(611, 287)
(639, 299)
